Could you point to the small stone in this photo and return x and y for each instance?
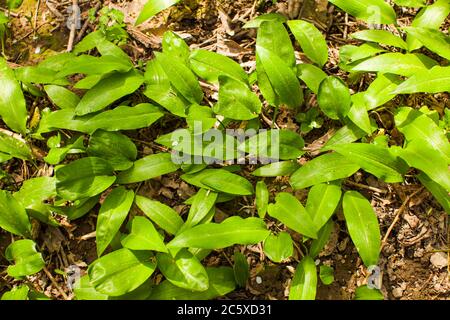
(413, 221)
(397, 292)
(439, 260)
(258, 280)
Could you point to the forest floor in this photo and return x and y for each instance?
(415, 254)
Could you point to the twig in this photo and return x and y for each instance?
(60, 290)
(363, 186)
(87, 236)
(36, 17)
(86, 23)
(397, 216)
(73, 27)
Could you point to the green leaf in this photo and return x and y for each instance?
(164, 216)
(358, 113)
(434, 40)
(236, 100)
(79, 209)
(362, 224)
(282, 168)
(175, 46)
(256, 22)
(274, 144)
(327, 167)
(26, 258)
(13, 217)
(304, 283)
(279, 247)
(218, 236)
(62, 97)
(183, 270)
(108, 91)
(227, 182)
(241, 269)
(13, 110)
(12, 5)
(221, 282)
(143, 236)
(411, 3)
(281, 77)
(153, 7)
(181, 77)
(121, 271)
(322, 202)
(323, 237)
(436, 190)
(141, 116)
(432, 16)
(84, 290)
(15, 147)
(420, 130)
(426, 159)
(39, 75)
(203, 202)
(89, 65)
(57, 153)
(262, 198)
(349, 54)
(374, 159)
(371, 11)
(347, 134)
(381, 37)
(366, 293)
(380, 91)
(311, 75)
(111, 216)
(288, 210)
(36, 190)
(326, 275)
(311, 41)
(84, 178)
(273, 37)
(397, 63)
(210, 65)
(114, 147)
(147, 168)
(16, 293)
(435, 80)
(166, 96)
(334, 98)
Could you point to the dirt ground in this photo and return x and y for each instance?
(415, 255)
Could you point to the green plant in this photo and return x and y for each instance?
(105, 161)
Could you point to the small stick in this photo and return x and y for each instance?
(86, 23)
(73, 27)
(397, 216)
(363, 186)
(60, 290)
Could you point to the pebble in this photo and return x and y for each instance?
(258, 280)
(397, 292)
(439, 260)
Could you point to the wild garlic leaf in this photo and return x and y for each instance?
(62, 97)
(256, 22)
(114, 147)
(279, 247)
(432, 39)
(13, 217)
(434, 80)
(153, 7)
(236, 100)
(13, 109)
(323, 236)
(334, 98)
(262, 199)
(182, 269)
(15, 147)
(175, 46)
(381, 37)
(109, 90)
(327, 167)
(374, 159)
(304, 283)
(210, 66)
(311, 75)
(164, 216)
(111, 216)
(84, 178)
(143, 236)
(282, 168)
(217, 236)
(27, 260)
(311, 41)
(362, 224)
(288, 210)
(147, 168)
(371, 11)
(121, 271)
(323, 200)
